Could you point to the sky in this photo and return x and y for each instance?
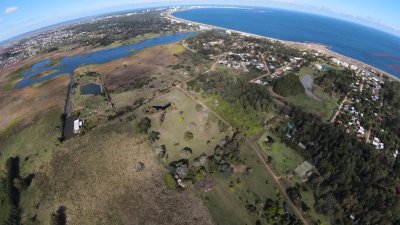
(21, 16)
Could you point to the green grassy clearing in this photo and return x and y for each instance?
(235, 114)
(284, 158)
(324, 108)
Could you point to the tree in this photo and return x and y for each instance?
(188, 136)
(144, 125)
(59, 217)
(154, 136)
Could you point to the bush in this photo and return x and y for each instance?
(144, 125)
(59, 217)
(188, 136)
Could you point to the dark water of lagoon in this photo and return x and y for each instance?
(91, 89)
(68, 65)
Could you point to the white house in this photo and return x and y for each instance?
(77, 125)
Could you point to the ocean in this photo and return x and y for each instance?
(371, 46)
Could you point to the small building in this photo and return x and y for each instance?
(72, 126)
(179, 181)
(302, 146)
(286, 208)
(77, 125)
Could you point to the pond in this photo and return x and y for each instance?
(91, 89)
(307, 82)
(67, 65)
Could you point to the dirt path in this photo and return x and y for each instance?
(214, 65)
(367, 136)
(184, 44)
(340, 107)
(255, 148)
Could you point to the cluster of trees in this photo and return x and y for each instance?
(288, 85)
(225, 154)
(248, 95)
(354, 178)
(337, 81)
(391, 114)
(274, 213)
(13, 193)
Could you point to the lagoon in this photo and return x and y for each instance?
(67, 65)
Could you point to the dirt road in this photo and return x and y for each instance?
(340, 107)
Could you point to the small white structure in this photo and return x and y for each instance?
(354, 67)
(396, 153)
(318, 66)
(77, 125)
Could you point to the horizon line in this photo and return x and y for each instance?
(72, 19)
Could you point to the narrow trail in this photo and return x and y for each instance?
(340, 107)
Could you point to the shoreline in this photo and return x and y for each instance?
(308, 45)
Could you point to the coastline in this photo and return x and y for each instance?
(311, 46)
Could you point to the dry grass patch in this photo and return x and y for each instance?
(94, 176)
(24, 104)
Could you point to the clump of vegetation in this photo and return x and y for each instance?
(59, 217)
(188, 136)
(154, 136)
(288, 85)
(274, 213)
(198, 107)
(144, 125)
(186, 152)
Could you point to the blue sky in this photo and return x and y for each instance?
(20, 16)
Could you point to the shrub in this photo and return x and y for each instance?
(188, 136)
(144, 125)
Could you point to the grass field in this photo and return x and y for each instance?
(225, 203)
(284, 159)
(94, 177)
(25, 104)
(324, 108)
(34, 145)
(149, 69)
(203, 125)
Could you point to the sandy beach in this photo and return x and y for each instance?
(311, 46)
